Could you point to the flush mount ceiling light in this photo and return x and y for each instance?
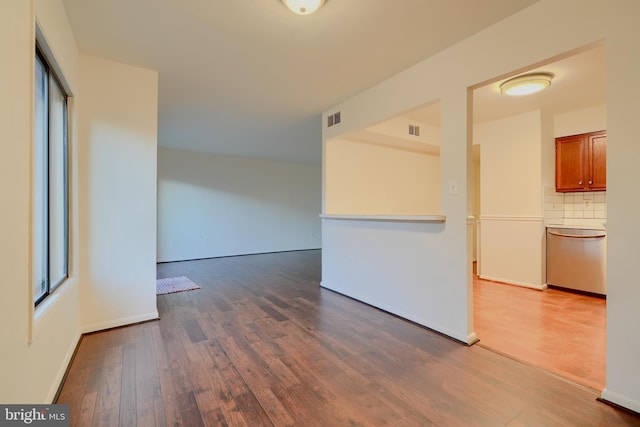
(303, 7)
(526, 84)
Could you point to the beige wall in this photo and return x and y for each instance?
(398, 127)
(117, 189)
(511, 165)
(211, 205)
(112, 145)
(475, 211)
(511, 231)
(518, 179)
(370, 179)
(36, 346)
(623, 202)
(584, 120)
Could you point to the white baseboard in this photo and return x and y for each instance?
(94, 327)
(464, 338)
(57, 380)
(618, 399)
(472, 338)
(513, 282)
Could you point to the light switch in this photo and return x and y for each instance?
(452, 187)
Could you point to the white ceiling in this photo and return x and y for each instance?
(250, 78)
(579, 82)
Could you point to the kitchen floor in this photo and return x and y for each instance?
(560, 331)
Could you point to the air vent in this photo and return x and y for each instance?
(414, 130)
(333, 119)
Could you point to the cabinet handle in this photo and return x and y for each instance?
(580, 183)
(590, 182)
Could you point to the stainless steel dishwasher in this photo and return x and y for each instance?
(577, 259)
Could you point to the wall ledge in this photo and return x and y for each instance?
(390, 218)
(510, 218)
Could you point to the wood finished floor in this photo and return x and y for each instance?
(261, 344)
(557, 330)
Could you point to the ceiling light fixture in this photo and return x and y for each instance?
(526, 84)
(303, 7)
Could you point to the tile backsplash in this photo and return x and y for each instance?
(553, 206)
(588, 205)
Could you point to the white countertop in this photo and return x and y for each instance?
(593, 226)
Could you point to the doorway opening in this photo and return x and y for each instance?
(516, 200)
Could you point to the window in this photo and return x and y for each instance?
(50, 182)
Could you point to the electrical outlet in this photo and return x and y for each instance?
(587, 204)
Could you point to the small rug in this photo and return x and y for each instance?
(174, 284)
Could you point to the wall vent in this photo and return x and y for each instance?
(333, 119)
(414, 130)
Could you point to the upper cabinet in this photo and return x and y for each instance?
(597, 166)
(581, 162)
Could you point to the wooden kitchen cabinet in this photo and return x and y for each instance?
(597, 166)
(581, 162)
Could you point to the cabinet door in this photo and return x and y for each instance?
(598, 161)
(570, 163)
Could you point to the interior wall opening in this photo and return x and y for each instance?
(516, 310)
(389, 168)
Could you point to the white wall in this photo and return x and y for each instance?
(30, 370)
(623, 203)
(117, 169)
(511, 230)
(211, 205)
(373, 179)
(391, 265)
(568, 25)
